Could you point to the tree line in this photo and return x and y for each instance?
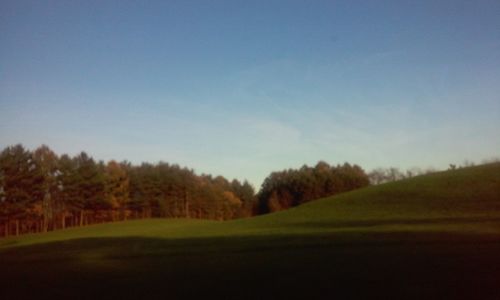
(292, 187)
(41, 191)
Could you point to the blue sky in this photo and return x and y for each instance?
(242, 88)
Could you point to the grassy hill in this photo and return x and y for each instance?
(431, 236)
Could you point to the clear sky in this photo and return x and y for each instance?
(242, 88)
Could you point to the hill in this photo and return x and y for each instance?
(430, 236)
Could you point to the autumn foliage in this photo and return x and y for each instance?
(42, 191)
(282, 190)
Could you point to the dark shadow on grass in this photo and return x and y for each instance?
(394, 221)
(383, 265)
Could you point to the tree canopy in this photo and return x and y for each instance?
(42, 191)
(287, 188)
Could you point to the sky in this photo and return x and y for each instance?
(244, 88)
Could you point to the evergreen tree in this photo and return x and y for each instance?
(117, 189)
(288, 188)
(22, 187)
(47, 166)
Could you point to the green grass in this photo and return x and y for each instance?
(431, 236)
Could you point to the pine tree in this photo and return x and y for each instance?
(22, 187)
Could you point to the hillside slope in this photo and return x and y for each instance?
(467, 198)
(467, 195)
(434, 236)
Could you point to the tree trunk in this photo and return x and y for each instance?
(81, 218)
(63, 221)
(44, 224)
(46, 211)
(17, 227)
(186, 204)
(7, 228)
(124, 214)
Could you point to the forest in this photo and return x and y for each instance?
(41, 191)
(284, 189)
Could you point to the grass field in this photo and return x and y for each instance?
(433, 236)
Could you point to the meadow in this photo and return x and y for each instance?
(432, 236)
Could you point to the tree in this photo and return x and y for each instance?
(22, 186)
(231, 205)
(288, 188)
(246, 193)
(89, 187)
(117, 188)
(68, 183)
(377, 176)
(47, 166)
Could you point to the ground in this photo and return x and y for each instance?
(435, 236)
